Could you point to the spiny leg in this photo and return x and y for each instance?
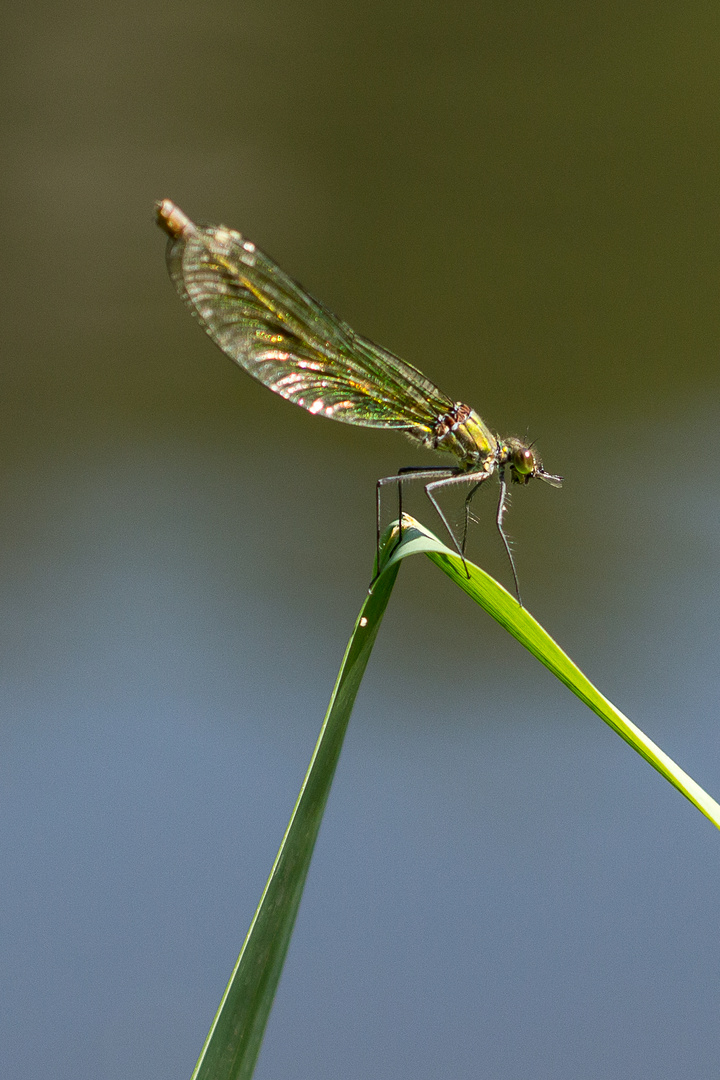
(461, 478)
(468, 500)
(409, 472)
(502, 502)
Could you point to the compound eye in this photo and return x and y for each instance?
(523, 461)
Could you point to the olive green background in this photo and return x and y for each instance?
(523, 200)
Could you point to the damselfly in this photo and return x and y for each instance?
(287, 340)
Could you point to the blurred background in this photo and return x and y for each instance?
(523, 200)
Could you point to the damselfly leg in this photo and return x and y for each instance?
(437, 478)
(479, 478)
(407, 473)
(502, 504)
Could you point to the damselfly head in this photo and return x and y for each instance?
(524, 463)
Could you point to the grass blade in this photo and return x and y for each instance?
(234, 1040)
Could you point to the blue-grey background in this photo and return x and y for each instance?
(523, 199)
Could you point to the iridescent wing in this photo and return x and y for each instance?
(290, 342)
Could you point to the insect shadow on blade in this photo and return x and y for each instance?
(273, 329)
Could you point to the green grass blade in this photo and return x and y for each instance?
(503, 607)
(233, 1043)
